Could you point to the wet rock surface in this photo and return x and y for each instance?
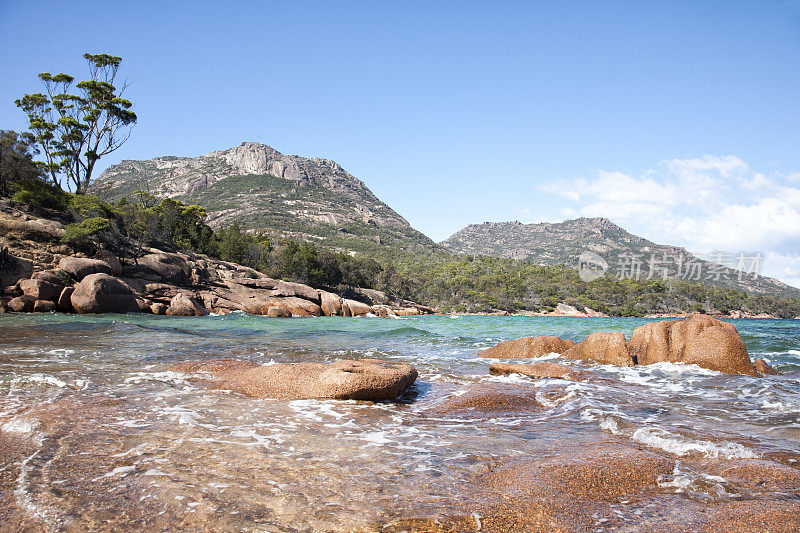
(700, 340)
(490, 398)
(528, 347)
(538, 370)
(604, 348)
(366, 379)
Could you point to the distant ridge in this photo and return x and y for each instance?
(253, 184)
(562, 243)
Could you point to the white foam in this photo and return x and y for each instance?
(547, 356)
(780, 406)
(136, 450)
(547, 402)
(26, 501)
(64, 352)
(314, 409)
(21, 425)
(680, 445)
(680, 368)
(186, 417)
(117, 471)
(167, 376)
(376, 438)
(681, 481)
(45, 380)
(610, 424)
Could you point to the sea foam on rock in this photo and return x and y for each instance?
(527, 347)
(538, 370)
(698, 339)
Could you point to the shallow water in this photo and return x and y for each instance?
(104, 437)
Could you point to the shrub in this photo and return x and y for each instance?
(85, 228)
(40, 194)
(89, 206)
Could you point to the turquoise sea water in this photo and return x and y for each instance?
(115, 434)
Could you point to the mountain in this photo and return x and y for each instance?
(564, 242)
(253, 184)
(316, 200)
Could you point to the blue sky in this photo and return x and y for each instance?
(460, 112)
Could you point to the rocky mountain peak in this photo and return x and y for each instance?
(262, 189)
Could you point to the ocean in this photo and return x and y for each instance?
(96, 433)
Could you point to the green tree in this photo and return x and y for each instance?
(73, 131)
(16, 159)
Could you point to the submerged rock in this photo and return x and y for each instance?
(491, 397)
(101, 293)
(527, 347)
(603, 473)
(604, 348)
(577, 489)
(366, 379)
(538, 370)
(698, 339)
(764, 368)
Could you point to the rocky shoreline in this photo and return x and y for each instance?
(178, 284)
(39, 273)
(564, 310)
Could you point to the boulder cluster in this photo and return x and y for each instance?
(182, 284)
(698, 339)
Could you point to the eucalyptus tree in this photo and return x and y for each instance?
(73, 131)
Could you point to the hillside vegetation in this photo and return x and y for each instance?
(452, 283)
(562, 243)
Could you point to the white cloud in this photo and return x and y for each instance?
(704, 204)
(784, 267)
